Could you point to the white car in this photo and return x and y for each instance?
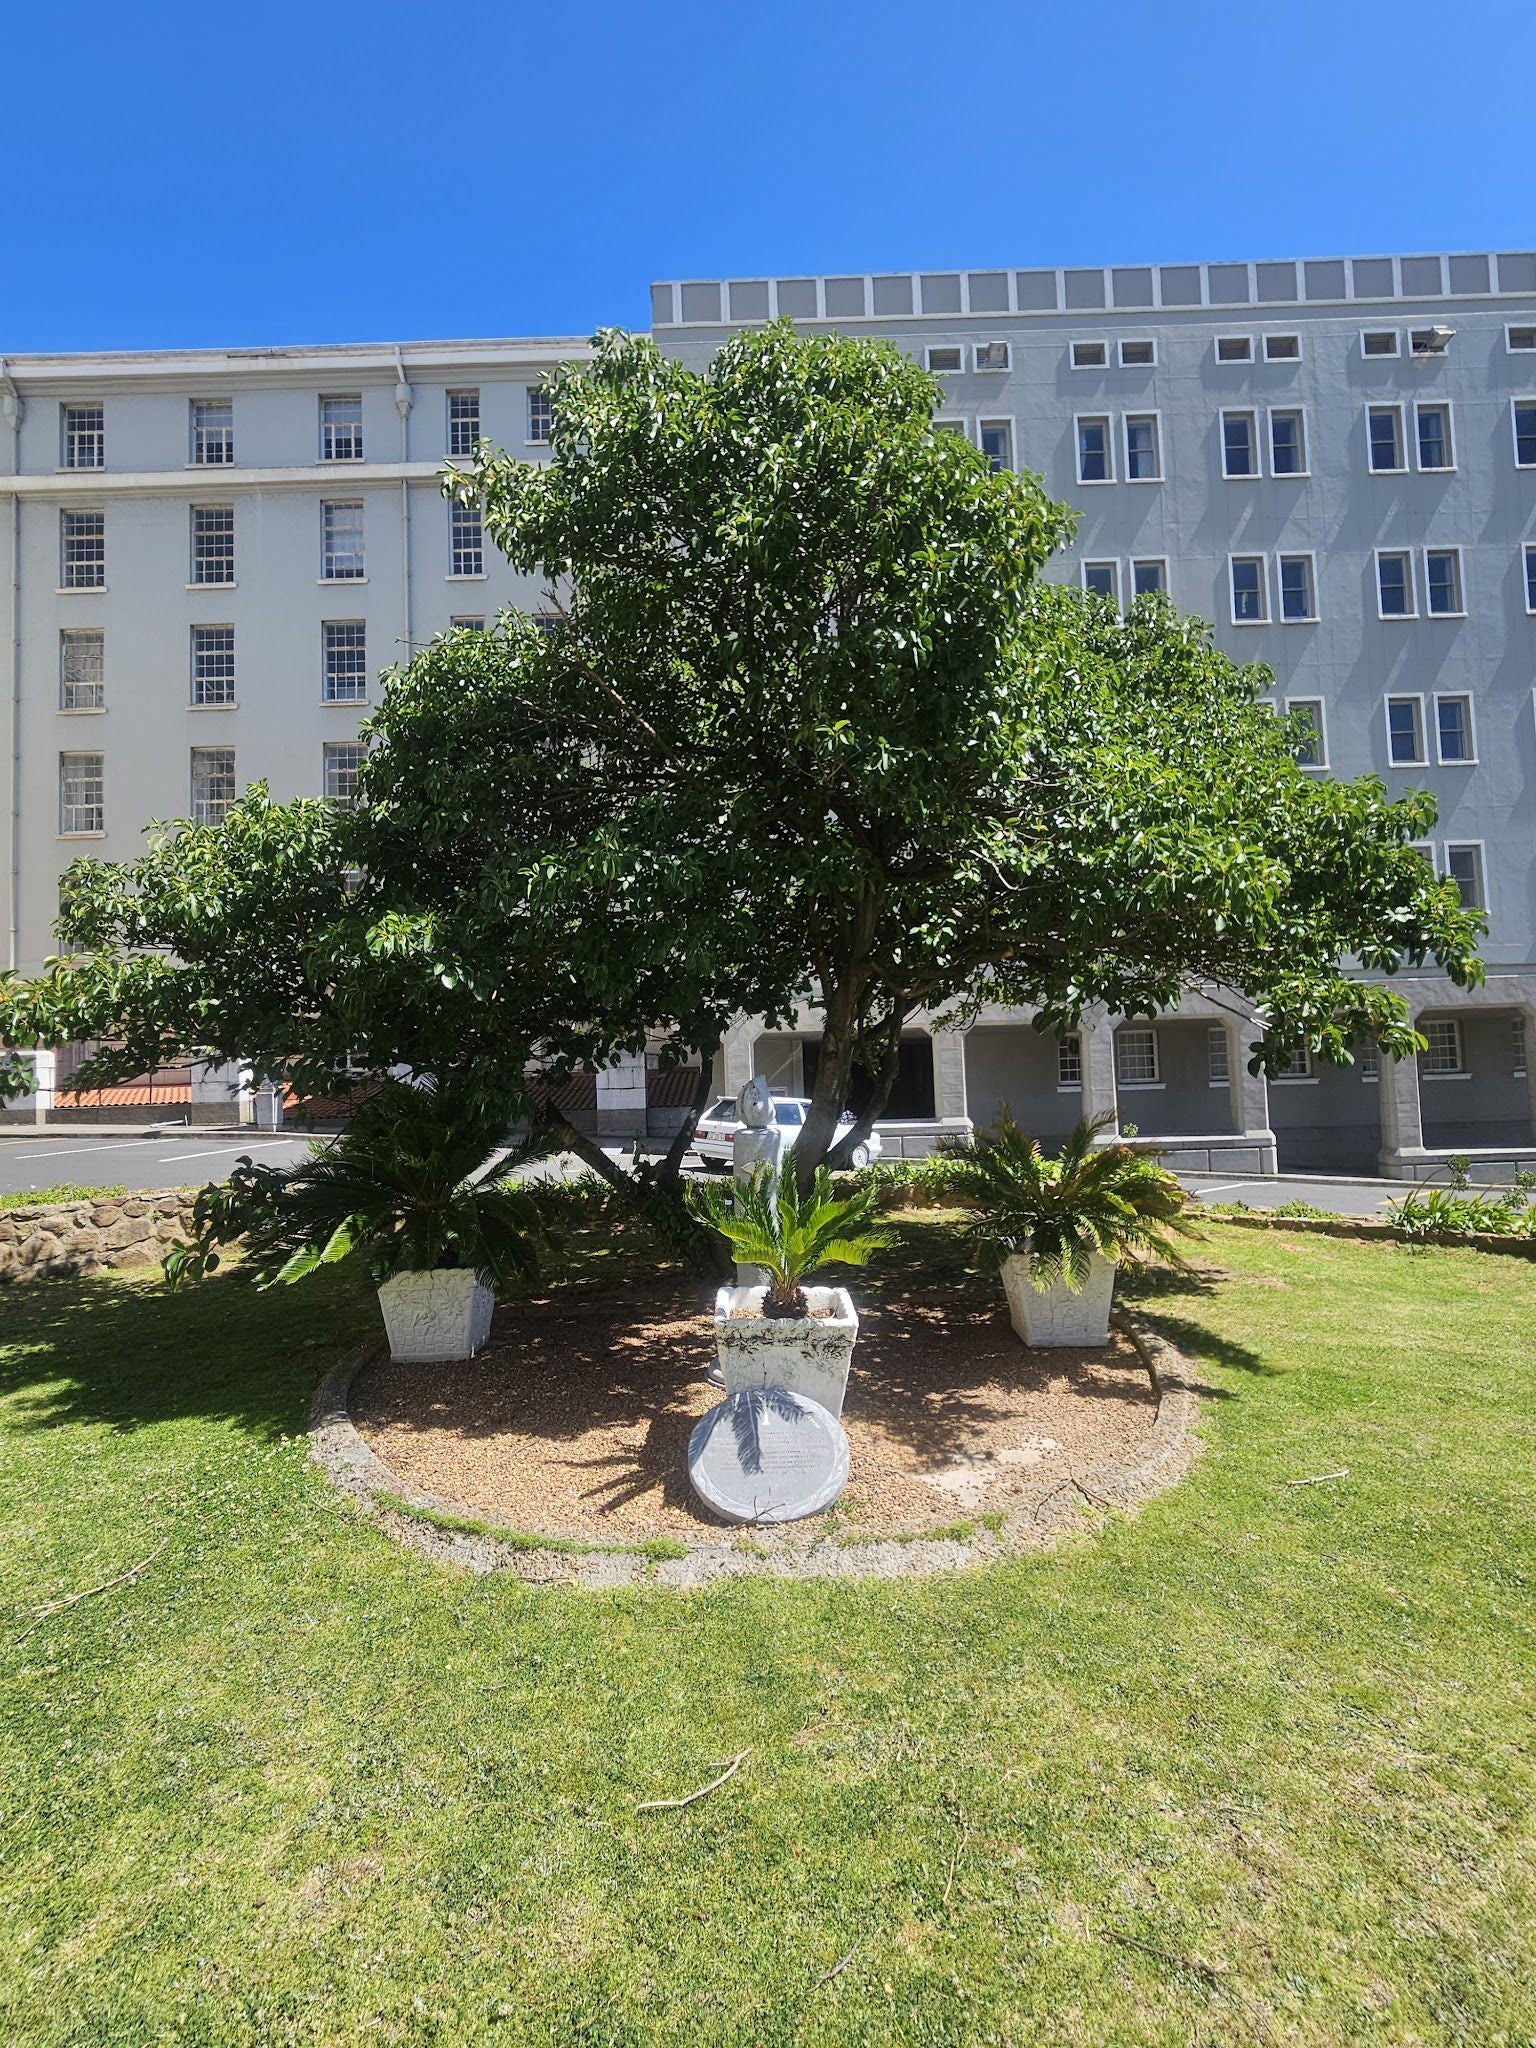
(720, 1123)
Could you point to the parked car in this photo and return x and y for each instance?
(720, 1123)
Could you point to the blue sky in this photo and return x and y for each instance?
(177, 175)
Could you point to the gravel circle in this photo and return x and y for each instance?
(563, 1445)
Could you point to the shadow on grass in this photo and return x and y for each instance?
(129, 1354)
(1158, 1293)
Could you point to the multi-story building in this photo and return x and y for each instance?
(212, 555)
(1334, 461)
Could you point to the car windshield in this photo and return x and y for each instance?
(722, 1112)
(786, 1112)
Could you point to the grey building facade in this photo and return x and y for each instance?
(209, 557)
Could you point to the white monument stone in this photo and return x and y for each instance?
(768, 1455)
(757, 1145)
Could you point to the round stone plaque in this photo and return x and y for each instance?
(768, 1455)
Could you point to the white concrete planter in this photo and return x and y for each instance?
(1057, 1316)
(442, 1314)
(809, 1355)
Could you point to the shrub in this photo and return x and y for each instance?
(790, 1235)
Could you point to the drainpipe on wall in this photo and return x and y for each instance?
(404, 399)
(13, 406)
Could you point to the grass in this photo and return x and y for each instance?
(31, 1198)
(653, 1548)
(1254, 1766)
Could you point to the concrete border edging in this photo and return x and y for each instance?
(1365, 1231)
(1161, 1459)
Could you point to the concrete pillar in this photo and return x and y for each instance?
(1402, 1119)
(736, 1054)
(216, 1089)
(1529, 1015)
(621, 1097)
(1096, 1035)
(1249, 1093)
(949, 1097)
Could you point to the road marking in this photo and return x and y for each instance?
(1222, 1187)
(71, 1151)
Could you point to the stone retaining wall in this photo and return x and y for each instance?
(94, 1236)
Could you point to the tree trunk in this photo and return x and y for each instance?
(829, 1098)
(670, 1172)
(841, 1154)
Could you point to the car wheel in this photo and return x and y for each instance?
(860, 1156)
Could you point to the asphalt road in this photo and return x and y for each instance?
(1345, 1198)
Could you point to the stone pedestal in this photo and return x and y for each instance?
(621, 1097)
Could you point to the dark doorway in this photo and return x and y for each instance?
(912, 1096)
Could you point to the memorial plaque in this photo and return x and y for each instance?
(768, 1455)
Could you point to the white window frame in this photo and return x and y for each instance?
(1069, 1063)
(1528, 571)
(537, 408)
(981, 369)
(197, 682)
(452, 421)
(73, 438)
(206, 810)
(1218, 1072)
(330, 438)
(1296, 555)
(1137, 1031)
(1515, 405)
(468, 546)
(467, 622)
(331, 677)
(200, 438)
(1107, 421)
(1158, 562)
(1079, 363)
(99, 555)
(1255, 446)
(1450, 846)
(1460, 611)
(1458, 1050)
(948, 424)
(1263, 562)
(1514, 327)
(1007, 424)
(1304, 1078)
(944, 348)
(1517, 1036)
(69, 826)
(1287, 412)
(1242, 341)
(1402, 555)
(1137, 341)
(1421, 760)
(1381, 355)
(1369, 1062)
(196, 562)
(1112, 564)
(1319, 711)
(94, 688)
(1156, 419)
(1469, 759)
(1443, 405)
(330, 757)
(327, 574)
(1394, 406)
(1291, 356)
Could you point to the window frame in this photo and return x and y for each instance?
(1468, 759)
(1319, 710)
(536, 406)
(200, 757)
(452, 422)
(1155, 417)
(1242, 341)
(1006, 422)
(1106, 420)
(203, 582)
(1288, 412)
(76, 831)
(1311, 617)
(71, 436)
(1069, 1054)
(1412, 611)
(1160, 563)
(67, 584)
(1112, 564)
(197, 458)
(1307, 1077)
(328, 505)
(460, 547)
(1262, 587)
(330, 674)
(1149, 1033)
(330, 753)
(1002, 369)
(947, 348)
(328, 438)
(98, 686)
(1216, 1035)
(1511, 329)
(1088, 343)
(195, 682)
(1477, 846)
(1136, 341)
(1459, 1071)
(1393, 408)
(1381, 355)
(1293, 355)
(1516, 405)
(1415, 698)
(1252, 415)
(1440, 405)
(1459, 610)
(1528, 565)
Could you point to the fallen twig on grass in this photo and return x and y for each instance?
(837, 1968)
(953, 1862)
(670, 1805)
(1062, 1486)
(1213, 1971)
(71, 1599)
(1321, 1478)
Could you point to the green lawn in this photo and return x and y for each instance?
(1256, 1766)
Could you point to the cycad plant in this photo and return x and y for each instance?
(396, 1188)
(1104, 1199)
(771, 1224)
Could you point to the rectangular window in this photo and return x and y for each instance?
(1143, 456)
(83, 436)
(213, 784)
(1464, 867)
(1453, 728)
(467, 539)
(83, 550)
(944, 362)
(341, 428)
(1519, 338)
(1234, 348)
(1287, 444)
(1282, 348)
(1517, 1045)
(997, 443)
(1525, 433)
(1442, 1046)
(1089, 355)
(345, 646)
(213, 544)
(1297, 1065)
(1136, 1057)
(1239, 445)
(341, 762)
(82, 669)
(467, 622)
(213, 665)
(1368, 1060)
(1093, 454)
(1069, 1061)
(1311, 745)
(1442, 582)
(213, 430)
(1102, 579)
(1381, 341)
(81, 800)
(341, 540)
(992, 356)
(1405, 732)
(1434, 436)
(1137, 355)
(1298, 590)
(463, 422)
(1248, 597)
(1149, 578)
(540, 415)
(1218, 1061)
(1394, 585)
(1384, 425)
(1530, 577)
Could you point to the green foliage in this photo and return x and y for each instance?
(1301, 1209)
(1453, 1212)
(790, 1234)
(67, 1191)
(395, 1189)
(1104, 1199)
(937, 1178)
